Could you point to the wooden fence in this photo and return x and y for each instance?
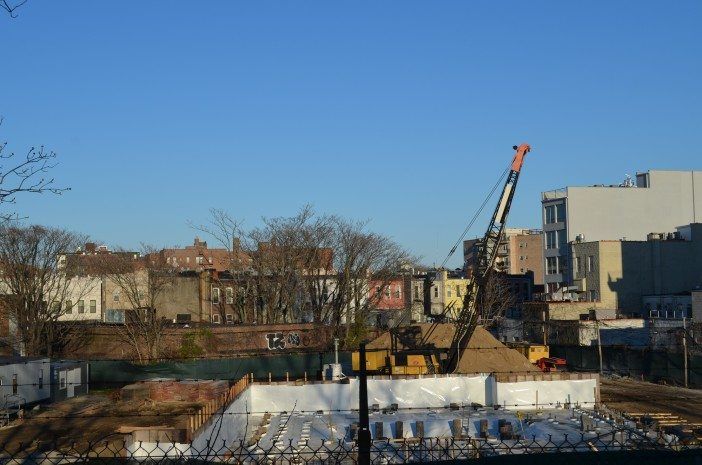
(200, 418)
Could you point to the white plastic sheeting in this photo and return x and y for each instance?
(406, 393)
(144, 450)
(427, 392)
(231, 428)
(527, 394)
(422, 393)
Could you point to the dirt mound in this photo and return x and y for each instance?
(484, 353)
(421, 336)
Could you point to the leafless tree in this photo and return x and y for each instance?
(26, 174)
(10, 6)
(38, 290)
(307, 266)
(142, 281)
(495, 298)
(361, 257)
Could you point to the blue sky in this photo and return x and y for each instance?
(403, 113)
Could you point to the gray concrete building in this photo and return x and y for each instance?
(626, 275)
(658, 201)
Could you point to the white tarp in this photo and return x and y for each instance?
(527, 394)
(406, 393)
(229, 428)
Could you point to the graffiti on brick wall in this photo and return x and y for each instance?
(280, 341)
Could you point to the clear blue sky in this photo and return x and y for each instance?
(403, 113)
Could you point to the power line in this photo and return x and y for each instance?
(475, 217)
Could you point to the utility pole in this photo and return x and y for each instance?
(543, 326)
(599, 342)
(684, 343)
(364, 436)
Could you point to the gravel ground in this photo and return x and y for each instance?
(634, 396)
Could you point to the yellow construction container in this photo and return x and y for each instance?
(534, 352)
(382, 362)
(376, 360)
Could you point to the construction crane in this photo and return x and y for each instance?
(415, 344)
(469, 316)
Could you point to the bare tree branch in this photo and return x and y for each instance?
(10, 7)
(25, 175)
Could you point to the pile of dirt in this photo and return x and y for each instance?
(483, 354)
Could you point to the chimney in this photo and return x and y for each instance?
(90, 247)
(198, 243)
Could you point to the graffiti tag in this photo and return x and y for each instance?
(278, 341)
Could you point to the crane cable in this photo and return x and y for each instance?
(475, 217)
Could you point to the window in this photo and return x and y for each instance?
(187, 259)
(448, 291)
(550, 214)
(14, 384)
(215, 295)
(416, 292)
(562, 266)
(183, 318)
(436, 292)
(590, 263)
(594, 296)
(551, 265)
(458, 290)
(81, 306)
(115, 296)
(560, 212)
(198, 260)
(230, 318)
(93, 306)
(215, 318)
(56, 308)
(398, 292)
(230, 295)
(387, 291)
(41, 379)
(551, 240)
(62, 381)
(69, 307)
(378, 291)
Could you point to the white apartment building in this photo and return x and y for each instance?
(658, 201)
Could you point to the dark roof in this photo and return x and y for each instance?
(14, 360)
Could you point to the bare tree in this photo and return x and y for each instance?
(26, 174)
(307, 266)
(10, 6)
(495, 298)
(361, 257)
(38, 290)
(142, 280)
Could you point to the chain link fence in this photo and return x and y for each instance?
(625, 442)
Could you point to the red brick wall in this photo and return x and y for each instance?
(106, 342)
(187, 391)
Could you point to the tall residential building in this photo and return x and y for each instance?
(657, 201)
(520, 251)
